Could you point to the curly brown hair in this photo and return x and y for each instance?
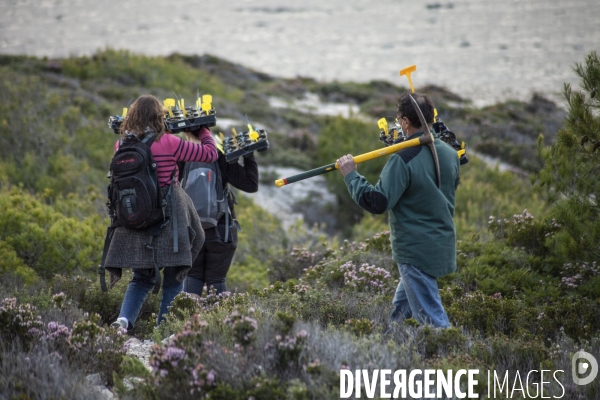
(146, 111)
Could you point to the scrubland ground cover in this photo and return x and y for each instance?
(525, 296)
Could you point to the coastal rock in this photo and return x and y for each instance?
(141, 350)
(95, 380)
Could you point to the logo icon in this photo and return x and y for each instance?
(581, 364)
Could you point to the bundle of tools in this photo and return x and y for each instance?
(450, 138)
(395, 140)
(395, 135)
(181, 118)
(241, 144)
(178, 117)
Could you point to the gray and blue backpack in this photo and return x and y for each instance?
(204, 184)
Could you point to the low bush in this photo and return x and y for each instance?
(41, 373)
(86, 346)
(293, 264)
(133, 70)
(44, 240)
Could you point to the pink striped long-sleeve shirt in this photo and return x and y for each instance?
(170, 148)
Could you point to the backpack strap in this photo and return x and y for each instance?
(231, 194)
(184, 172)
(225, 197)
(149, 139)
(101, 269)
(227, 224)
(182, 166)
(171, 200)
(157, 279)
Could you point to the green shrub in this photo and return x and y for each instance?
(370, 226)
(129, 69)
(524, 232)
(45, 240)
(10, 263)
(487, 314)
(266, 388)
(442, 341)
(41, 373)
(87, 345)
(93, 347)
(261, 239)
(242, 326)
(504, 353)
(88, 296)
(284, 321)
(578, 318)
(293, 264)
(569, 177)
(359, 326)
(354, 269)
(20, 323)
(57, 150)
(338, 137)
(485, 191)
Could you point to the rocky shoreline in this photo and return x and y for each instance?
(486, 51)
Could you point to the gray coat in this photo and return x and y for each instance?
(133, 249)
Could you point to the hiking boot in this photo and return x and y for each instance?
(121, 322)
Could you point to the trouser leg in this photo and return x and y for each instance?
(139, 287)
(218, 260)
(194, 282)
(423, 296)
(401, 306)
(193, 285)
(171, 288)
(196, 286)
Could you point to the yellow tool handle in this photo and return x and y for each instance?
(383, 125)
(252, 134)
(206, 103)
(169, 104)
(425, 139)
(389, 150)
(407, 71)
(182, 107)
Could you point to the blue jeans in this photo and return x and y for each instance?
(139, 287)
(195, 285)
(417, 296)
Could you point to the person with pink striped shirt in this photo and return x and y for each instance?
(138, 249)
(167, 150)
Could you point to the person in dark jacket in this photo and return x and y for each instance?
(212, 263)
(422, 232)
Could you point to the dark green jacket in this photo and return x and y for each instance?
(421, 226)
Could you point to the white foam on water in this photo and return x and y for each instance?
(312, 104)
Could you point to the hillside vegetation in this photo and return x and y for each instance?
(525, 296)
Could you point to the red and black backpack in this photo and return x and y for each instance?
(135, 199)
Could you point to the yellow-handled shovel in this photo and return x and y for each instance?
(425, 139)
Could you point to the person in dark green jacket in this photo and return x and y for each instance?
(422, 232)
